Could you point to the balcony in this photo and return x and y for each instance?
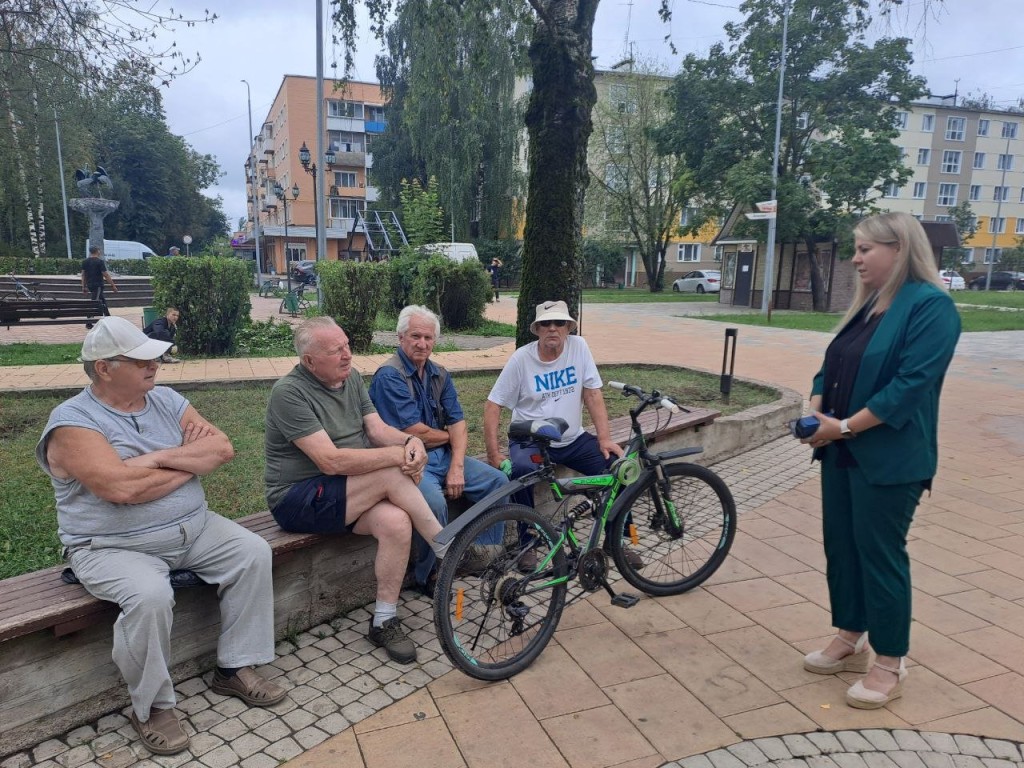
(372, 194)
(350, 124)
(347, 156)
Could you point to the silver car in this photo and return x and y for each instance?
(699, 281)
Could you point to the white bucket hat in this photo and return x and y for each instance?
(552, 310)
(113, 336)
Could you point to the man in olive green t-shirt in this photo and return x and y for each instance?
(334, 466)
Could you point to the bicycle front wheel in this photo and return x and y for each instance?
(496, 606)
(681, 536)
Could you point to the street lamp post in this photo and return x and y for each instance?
(280, 194)
(187, 240)
(994, 224)
(251, 174)
(310, 168)
(769, 257)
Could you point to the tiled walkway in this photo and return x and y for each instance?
(709, 679)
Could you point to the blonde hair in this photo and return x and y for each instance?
(915, 261)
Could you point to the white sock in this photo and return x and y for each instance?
(383, 611)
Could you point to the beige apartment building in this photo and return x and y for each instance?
(281, 191)
(961, 155)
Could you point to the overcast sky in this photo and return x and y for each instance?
(977, 42)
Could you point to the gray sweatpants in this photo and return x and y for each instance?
(132, 572)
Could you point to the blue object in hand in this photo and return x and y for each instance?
(804, 427)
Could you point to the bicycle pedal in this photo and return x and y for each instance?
(625, 600)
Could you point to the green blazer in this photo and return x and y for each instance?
(899, 380)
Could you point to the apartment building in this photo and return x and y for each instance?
(959, 155)
(280, 189)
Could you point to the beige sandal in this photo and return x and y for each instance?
(820, 664)
(162, 734)
(864, 698)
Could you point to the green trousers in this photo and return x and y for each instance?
(868, 570)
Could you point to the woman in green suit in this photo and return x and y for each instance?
(877, 398)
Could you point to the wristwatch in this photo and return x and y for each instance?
(844, 429)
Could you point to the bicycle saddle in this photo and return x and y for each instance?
(544, 430)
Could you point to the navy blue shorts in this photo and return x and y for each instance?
(316, 505)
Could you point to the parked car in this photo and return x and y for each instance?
(952, 280)
(700, 280)
(304, 270)
(1001, 281)
(122, 249)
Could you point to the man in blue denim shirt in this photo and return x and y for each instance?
(415, 395)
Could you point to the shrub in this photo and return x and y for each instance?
(213, 296)
(456, 292)
(353, 294)
(402, 272)
(66, 266)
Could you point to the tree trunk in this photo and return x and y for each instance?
(558, 121)
(37, 167)
(818, 298)
(19, 161)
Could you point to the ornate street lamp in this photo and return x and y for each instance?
(280, 194)
(310, 168)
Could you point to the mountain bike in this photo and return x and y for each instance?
(22, 291)
(495, 613)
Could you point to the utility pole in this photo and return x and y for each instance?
(251, 174)
(769, 259)
(994, 224)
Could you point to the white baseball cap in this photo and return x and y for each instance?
(113, 336)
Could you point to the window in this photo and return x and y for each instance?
(955, 128)
(345, 207)
(979, 160)
(344, 109)
(991, 258)
(1022, 194)
(1004, 163)
(688, 252)
(947, 195)
(901, 120)
(891, 189)
(688, 215)
(1010, 130)
(345, 141)
(623, 97)
(1020, 226)
(924, 156)
(374, 114)
(615, 138)
(928, 123)
(944, 219)
(803, 120)
(966, 255)
(951, 161)
(1000, 194)
(615, 177)
(920, 190)
(344, 179)
(975, 193)
(997, 226)
(983, 127)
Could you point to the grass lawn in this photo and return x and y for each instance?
(973, 319)
(28, 539)
(1014, 299)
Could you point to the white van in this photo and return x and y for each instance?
(122, 249)
(458, 252)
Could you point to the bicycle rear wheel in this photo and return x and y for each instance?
(682, 536)
(493, 619)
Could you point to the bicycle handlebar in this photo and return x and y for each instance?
(654, 398)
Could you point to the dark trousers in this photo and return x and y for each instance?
(162, 334)
(868, 570)
(96, 294)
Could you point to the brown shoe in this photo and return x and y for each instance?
(162, 734)
(246, 685)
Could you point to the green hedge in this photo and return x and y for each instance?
(66, 266)
(353, 294)
(213, 296)
(456, 292)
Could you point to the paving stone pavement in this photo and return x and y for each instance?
(710, 679)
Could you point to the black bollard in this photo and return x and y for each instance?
(728, 363)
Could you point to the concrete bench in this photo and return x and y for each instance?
(50, 312)
(55, 638)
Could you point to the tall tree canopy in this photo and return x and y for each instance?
(452, 113)
(839, 116)
(637, 191)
